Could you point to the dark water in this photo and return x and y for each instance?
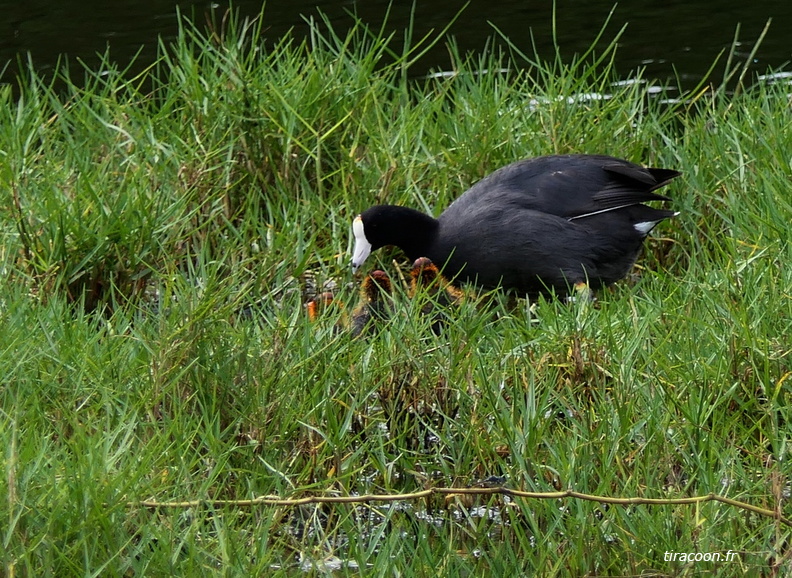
(670, 39)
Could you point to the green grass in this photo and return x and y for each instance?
(158, 234)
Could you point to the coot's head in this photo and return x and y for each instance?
(376, 286)
(423, 273)
(410, 230)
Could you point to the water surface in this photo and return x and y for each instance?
(670, 39)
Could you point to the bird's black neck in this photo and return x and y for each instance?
(410, 230)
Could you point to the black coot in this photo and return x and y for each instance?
(540, 224)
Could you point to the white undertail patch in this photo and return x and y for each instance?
(645, 226)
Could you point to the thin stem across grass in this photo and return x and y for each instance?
(162, 234)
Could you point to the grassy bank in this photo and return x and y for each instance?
(160, 235)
